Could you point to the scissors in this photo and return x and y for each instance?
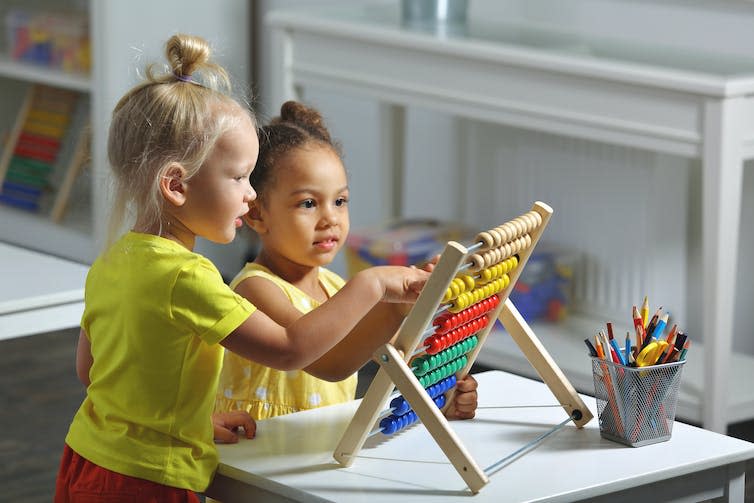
(650, 353)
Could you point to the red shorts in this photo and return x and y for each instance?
(81, 481)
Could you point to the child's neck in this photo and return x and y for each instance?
(305, 278)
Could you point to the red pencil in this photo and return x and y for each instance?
(638, 327)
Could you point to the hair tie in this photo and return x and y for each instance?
(184, 78)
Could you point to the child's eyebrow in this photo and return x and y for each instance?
(308, 190)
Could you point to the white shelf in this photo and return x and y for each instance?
(43, 75)
(34, 231)
(565, 343)
(29, 306)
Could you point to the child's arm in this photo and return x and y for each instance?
(305, 340)
(83, 358)
(349, 355)
(376, 328)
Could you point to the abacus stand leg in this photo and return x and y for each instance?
(369, 410)
(432, 418)
(543, 363)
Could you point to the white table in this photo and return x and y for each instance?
(38, 292)
(688, 104)
(291, 458)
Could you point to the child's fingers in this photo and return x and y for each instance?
(224, 435)
(468, 383)
(227, 423)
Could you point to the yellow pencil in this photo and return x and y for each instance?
(645, 311)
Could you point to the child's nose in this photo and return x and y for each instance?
(251, 194)
(329, 216)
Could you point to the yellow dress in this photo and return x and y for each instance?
(266, 392)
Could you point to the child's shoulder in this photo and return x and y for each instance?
(328, 276)
(254, 270)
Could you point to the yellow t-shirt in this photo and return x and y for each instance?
(266, 392)
(154, 313)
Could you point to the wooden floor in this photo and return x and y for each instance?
(40, 393)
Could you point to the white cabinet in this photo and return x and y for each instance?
(679, 106)
(125, 36)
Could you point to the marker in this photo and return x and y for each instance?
(590, 346)
(661, 323)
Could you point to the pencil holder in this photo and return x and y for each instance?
(636, 405)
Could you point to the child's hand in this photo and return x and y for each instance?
(465, 399)
(226, 425)
(400, 284)
(403, 309)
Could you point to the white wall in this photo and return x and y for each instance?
(128, 35)
(611, 202)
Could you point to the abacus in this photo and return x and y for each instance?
(466, 292)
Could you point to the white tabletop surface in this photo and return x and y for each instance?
(292, 455)
(38, 292)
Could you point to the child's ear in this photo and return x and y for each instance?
(253, 218)
(173, 184)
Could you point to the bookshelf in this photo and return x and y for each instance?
(118, 55)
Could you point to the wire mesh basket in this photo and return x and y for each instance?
(636, 405)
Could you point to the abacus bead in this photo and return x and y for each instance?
(388, 425)
(447, 295)
(497, 236)
(486, 238)
(454, 289)
(532, 220)
(520, 229)
(510, 231)
(477, 262)
(401, 407)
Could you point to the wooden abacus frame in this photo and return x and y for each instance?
(393, 357)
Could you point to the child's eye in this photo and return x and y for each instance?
(308, 203)
(341, 201)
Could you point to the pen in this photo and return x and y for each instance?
(645, 312)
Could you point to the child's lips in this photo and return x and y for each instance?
(326, 244)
